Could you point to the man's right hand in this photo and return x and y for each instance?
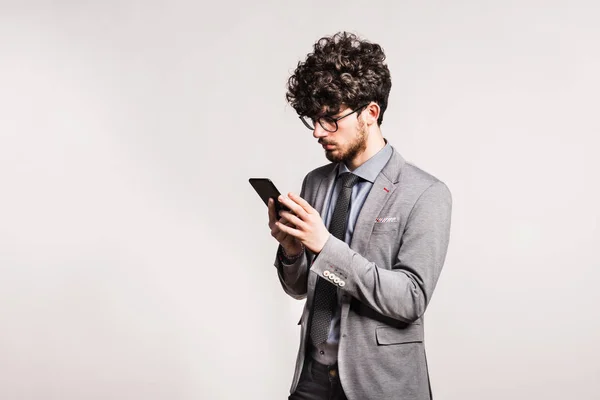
(290, 244)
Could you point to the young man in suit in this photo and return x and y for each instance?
(366, 238)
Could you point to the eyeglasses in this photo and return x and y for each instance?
(328, 123)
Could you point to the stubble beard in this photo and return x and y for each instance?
(357, 146)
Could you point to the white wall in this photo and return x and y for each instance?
(135, 258)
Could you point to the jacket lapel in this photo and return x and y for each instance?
(385, 184)
(325, 187)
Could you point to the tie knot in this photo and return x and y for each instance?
(348, 179)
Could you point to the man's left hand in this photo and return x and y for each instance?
(309, 227)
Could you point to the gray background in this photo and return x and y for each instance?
(135, 258)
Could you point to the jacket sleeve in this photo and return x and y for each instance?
(294, 277)
(403, 291)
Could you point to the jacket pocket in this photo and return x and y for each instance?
(385, 227)
(387, 335)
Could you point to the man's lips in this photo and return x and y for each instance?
(328, 146)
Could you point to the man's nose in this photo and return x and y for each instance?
(319, 132)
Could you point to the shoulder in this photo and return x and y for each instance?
(418, 181)
(414, 173)
(320, 172)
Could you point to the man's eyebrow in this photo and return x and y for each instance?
(328, 113)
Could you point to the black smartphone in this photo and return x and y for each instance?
(266, 190)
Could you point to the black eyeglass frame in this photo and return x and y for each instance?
(330, 119)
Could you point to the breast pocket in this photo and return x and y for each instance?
(384, 244)
(385, 227)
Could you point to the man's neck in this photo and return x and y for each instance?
(375, 142)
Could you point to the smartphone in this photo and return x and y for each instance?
(266, 190)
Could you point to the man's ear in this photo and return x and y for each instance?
(371, 113)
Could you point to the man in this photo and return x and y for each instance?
(365, 240)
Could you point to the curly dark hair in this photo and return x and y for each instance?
(342, 70)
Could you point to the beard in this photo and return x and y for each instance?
(357, 146)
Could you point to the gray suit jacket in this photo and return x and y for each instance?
(387, 274)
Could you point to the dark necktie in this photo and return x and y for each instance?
(326, 292)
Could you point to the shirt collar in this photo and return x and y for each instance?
(373, 166)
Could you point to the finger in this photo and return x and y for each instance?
(295, 208)
(272, 212)
(301, 202)
(288, 229)
(275, 227)
(277, 233)
(284, 220)
(280, 235)
(292, 219)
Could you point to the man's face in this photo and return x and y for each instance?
(347, 142)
